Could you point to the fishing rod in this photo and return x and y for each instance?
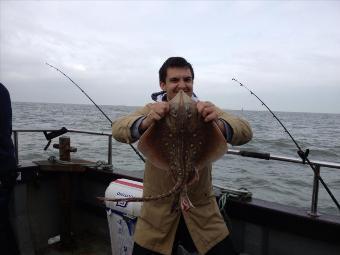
(136, 151)
(303, 154)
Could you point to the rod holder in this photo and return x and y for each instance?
(109, 150)
(314, 207)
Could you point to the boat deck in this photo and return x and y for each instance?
(85, 244)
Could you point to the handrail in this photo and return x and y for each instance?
(282, 158)
(68, 130)
(266, 156)
(109, 135)
(318, 164)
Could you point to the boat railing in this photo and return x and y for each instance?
(264, 156)
(17, 131)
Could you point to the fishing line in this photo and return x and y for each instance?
(136, 151)
(303, 154)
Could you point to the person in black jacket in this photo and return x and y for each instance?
(8, 174)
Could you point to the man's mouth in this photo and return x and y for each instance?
(184, 90)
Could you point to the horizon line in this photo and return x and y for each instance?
(242, 109)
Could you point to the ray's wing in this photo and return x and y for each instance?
(152, 145)
(211, 144)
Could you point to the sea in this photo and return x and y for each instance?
(281, 182)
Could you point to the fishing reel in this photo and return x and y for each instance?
(303, 155)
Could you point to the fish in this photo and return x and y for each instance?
(181, 143)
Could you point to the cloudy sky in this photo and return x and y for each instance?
(287, 52)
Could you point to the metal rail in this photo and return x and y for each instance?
(259, 155)
(318, 164)
(17, 131)
(268, 156)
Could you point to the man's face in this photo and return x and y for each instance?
(177, 78)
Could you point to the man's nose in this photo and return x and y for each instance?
(181, 84)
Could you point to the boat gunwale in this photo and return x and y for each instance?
(272, 215)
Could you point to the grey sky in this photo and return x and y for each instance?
(288, 52)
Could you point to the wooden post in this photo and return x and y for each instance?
(64, 148)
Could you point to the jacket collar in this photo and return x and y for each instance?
(161, 96)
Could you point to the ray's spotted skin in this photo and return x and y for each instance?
(181, 143)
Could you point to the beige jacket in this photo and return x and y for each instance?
(157, 224)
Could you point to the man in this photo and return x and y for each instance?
(159, 228)
(7, 173)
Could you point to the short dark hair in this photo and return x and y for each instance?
(174, 62)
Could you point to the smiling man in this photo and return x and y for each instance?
(160, 229)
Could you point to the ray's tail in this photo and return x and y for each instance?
(177, 188)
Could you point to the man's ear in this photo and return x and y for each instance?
(162, 85)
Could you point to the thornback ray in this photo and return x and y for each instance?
(183, 144)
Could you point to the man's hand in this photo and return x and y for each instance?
(209, 112)
(158, 111)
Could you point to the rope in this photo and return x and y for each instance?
(223, 200)
(229, 193)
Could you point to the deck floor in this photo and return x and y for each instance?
(83, 245)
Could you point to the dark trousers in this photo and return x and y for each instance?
(183, 238)
(8, 244)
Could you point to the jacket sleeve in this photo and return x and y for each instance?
(121, 128)
(242, 132)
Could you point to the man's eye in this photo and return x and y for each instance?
(174, 80)
(187, 79)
